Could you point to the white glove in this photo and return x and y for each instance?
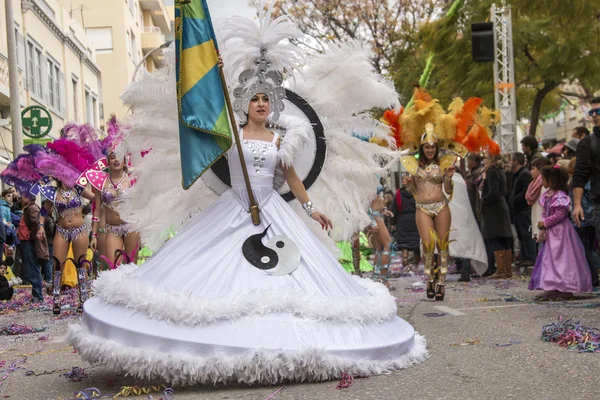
(18, 281)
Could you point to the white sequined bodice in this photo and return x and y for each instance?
(261, 160)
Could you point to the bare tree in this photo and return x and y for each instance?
(383, 24)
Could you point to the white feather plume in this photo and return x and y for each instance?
(342, 87)
(157, 203)
(342, 82)
(242, 41)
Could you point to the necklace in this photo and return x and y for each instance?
(118, 185)
(66, 193)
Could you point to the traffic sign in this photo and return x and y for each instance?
(37, 122)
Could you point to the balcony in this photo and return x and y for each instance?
(160, 16)
(152, 37)
(5, 83)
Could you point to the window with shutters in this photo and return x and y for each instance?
(38, 72)
(34, 69)
(74, 80)
(53, 85)
(134, 51)
(94, 109)
(89, 117)
(101, 38)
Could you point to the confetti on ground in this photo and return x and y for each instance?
(466, 342)
(435, 314)
(139, 390)
(345, 382)
(510, 343)
(50, 372)
(76, 374)
(17, 329)
(23, 301)
(88, 394)
(572, 335)
(272, 396)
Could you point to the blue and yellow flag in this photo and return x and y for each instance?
(204, 131)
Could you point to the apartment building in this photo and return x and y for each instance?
(123, 32)
(57, 68)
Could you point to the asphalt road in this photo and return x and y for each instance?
(474, 313)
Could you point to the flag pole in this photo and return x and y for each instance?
(254, 212)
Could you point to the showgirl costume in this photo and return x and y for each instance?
(199, 310)
(65, 160)
(454, 134)
(110, 192)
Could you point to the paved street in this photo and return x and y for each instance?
(472, 313)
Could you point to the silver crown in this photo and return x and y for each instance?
(260, 79)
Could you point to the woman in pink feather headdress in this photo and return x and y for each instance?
(65, 161)
(120, 242)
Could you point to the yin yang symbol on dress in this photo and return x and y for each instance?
(279, 256)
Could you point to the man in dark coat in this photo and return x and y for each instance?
(521, 211)
(530, 147)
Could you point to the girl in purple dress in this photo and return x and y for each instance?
(561, 267)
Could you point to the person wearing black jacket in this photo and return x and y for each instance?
(521, 211)
(406, 236)
(530, 147)
(587, 168)
(495, 218)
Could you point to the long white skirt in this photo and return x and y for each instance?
(199, 312)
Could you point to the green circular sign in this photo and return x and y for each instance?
(36, 121)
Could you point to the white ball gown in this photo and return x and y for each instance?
(199, 312)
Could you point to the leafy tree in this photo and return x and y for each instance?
(554, 44)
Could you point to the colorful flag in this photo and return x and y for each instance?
(204, 131)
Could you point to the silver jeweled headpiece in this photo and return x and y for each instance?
(259, 79)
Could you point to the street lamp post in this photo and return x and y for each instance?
(13, 76)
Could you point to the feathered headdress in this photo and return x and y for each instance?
(464, 127)
(479, 138)
(114, 136)
(85, 136)
(391, 118)
(65, 159)
(21, 173)
(258, 57)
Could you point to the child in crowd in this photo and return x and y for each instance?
(534, 192)
(561, 267)
(6, 285)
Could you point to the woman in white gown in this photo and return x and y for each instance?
(198, 311)
(207, 308)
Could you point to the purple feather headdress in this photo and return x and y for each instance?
(76, 155)
(55, 165)
(21, 172)
(114, 135)
(26, 169)
(22, 187)
(85, 136)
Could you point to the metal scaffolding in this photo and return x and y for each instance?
(504, 78)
